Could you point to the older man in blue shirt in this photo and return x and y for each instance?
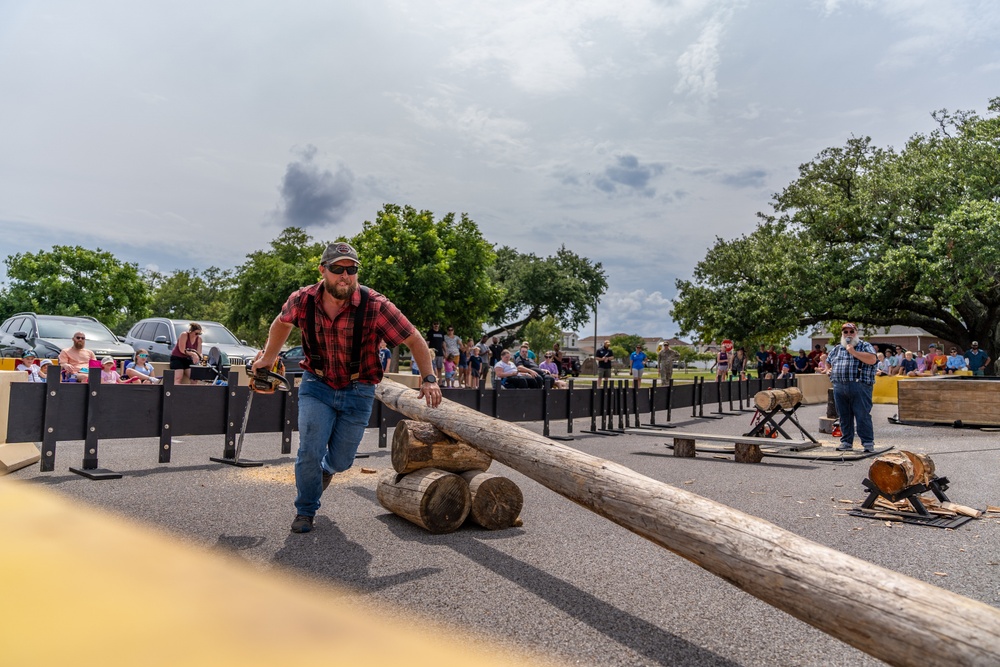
(852, 372)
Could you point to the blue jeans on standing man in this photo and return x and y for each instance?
(854, 404)
(331, 425)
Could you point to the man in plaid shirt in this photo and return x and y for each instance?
(334, 409)
(852, 372)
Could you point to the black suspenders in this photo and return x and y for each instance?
(315, 349)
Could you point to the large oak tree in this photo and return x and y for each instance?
(867, 234)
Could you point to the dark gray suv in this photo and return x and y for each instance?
(48, 334)
(159, 335)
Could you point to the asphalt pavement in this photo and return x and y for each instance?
(569, 583)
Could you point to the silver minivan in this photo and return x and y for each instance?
(159, 335)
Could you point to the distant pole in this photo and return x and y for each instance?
(595, 336)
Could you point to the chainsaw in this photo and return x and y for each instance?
(262, 381)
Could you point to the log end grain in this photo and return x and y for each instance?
(496, 501)
(435, 500)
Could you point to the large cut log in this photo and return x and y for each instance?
(496, 500)
(417, 445)
(875, 609)
(769, 399)
(435, 500)
(896, 471)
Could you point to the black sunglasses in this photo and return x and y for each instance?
(337, 269)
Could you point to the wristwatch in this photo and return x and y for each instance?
(430, 379)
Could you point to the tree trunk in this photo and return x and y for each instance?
(496, 500)
(894, 472)
(435, 500)
(872, 608)
(417, 445)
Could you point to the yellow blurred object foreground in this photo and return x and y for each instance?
(85, 588)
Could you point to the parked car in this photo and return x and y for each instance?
(570, 365)
(291, 358)
(159, 335)
(48, 334)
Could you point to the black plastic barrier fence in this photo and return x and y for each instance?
(57, 411)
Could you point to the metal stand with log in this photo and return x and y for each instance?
(877, 610)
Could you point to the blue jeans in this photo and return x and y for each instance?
(331, 425)
(854, 404)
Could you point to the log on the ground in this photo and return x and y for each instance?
(896, 471)
(496, 500)
(747, 452)
(875, 609)
(684, 448)
(417, 445)
(435, 500)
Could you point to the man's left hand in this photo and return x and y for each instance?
(431, 392)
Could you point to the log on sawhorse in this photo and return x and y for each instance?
(746, 449)
(876, 610)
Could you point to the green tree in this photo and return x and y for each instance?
(433, 270)
(564, 286)
(688, 355)
(72, 280)
(542, 334)
(187, 295)
(869, 235)
(264, 281)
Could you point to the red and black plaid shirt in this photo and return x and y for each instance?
(382, 321)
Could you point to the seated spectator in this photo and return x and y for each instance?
(801, 363)
(549, 366)
(822, 365)
(529, 368)
(140, 369)
(940, 363)
(786, 373)
(28, 366)
(954, 362)
(43, 369)
(109, 371)
(510, 376)
(909, 365)
(921, 362)
(882, 365)
(74, 361)
(895, 360)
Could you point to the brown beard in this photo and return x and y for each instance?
(342, 292)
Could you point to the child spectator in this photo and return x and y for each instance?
(140, 369)
(475, 367)
(28, 366)
(909, 365)
(786, 373)
(384, 355)
(109, 373)
(955, 362)
(449, 371)
(882, 366)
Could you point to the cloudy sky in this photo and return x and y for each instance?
(188, 134)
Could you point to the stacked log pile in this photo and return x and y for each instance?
(439, 482)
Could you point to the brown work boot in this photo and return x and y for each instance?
(302, 524)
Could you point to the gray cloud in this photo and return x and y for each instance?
(313, 196)
(751, 177)
(628, 176)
